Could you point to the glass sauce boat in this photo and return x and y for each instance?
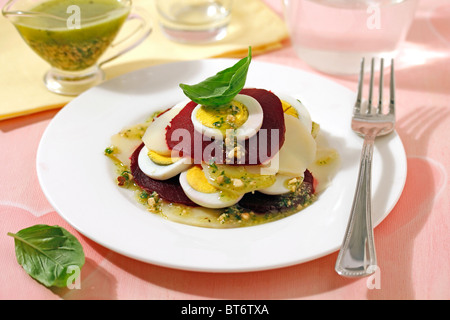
(73, 35)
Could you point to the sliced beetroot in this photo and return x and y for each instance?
(182, 137)
(263, 203)
(273, 121)
(180, 133)
(169, 190)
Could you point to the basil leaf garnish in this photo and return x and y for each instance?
(49, 254)
(220, 89)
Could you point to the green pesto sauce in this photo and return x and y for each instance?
(67, 48)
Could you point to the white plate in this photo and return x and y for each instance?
(77, 178)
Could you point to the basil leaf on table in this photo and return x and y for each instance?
(220, 89)
(48, 253)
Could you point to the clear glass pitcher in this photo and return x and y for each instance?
(333, 36)
(76, 37)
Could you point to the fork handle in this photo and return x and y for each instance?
(357, 257)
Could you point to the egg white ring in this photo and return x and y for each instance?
(303, 112)
(176, 109)
(279, 187)
(244, 132)
(214, 200)
(161, 172)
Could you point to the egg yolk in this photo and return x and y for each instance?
(236, 179)
(223, 118)
(160, 159)
(288, 109)
(198, 181)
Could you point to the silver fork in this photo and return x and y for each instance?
(357, 256)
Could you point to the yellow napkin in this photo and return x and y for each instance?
(22, 90)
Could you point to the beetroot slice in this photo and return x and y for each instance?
(273, 120)
(169, 190)
(182, 137)
(263, 203)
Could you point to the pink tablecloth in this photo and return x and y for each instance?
(412, 243)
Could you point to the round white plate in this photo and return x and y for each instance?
(78, 179)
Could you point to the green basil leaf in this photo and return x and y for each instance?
(220, 89)
(49, 254)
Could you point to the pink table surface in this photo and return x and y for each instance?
(412, 243)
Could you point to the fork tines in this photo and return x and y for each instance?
(379, 106)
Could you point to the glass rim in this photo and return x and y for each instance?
(8, 11)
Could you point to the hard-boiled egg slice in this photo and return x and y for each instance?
(161, 171)
(283, 184)
(155, 136)
(295, 108)
(197, 188)
(242, 119)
